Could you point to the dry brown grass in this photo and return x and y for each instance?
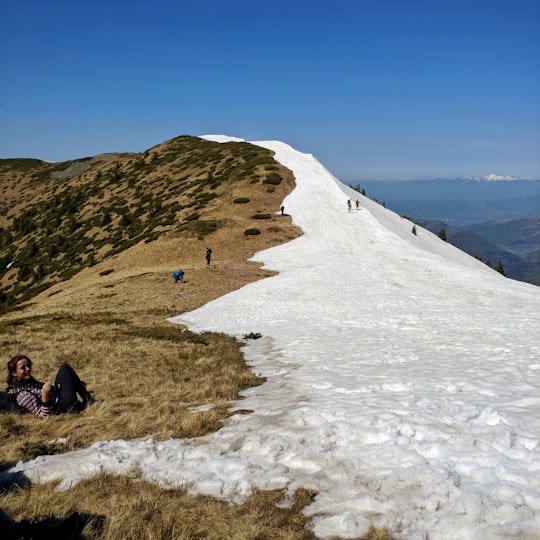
(150, 512)
(109, 322)
(156, 372)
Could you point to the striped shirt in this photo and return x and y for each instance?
(29, 397)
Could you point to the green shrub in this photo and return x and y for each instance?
(200, 228)
(273, 178)
(262, 216)
(125, 220)
(205, 197)
(241, 200)
(251, 232)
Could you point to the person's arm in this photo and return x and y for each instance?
(30, 398)
(45, 391)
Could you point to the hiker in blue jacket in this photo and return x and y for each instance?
(178, 276)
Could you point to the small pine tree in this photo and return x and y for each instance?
(125, 220)
(39, 272)
(106, 219)
(500, 268)
(25, 272)
(414, 230)
(442, 234)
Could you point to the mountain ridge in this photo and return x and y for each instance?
(60, 218)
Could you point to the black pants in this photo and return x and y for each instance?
(68, 385)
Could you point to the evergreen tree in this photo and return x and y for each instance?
(106, 219)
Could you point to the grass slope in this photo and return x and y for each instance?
(61, 218)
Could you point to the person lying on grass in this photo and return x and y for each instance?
(45, 398)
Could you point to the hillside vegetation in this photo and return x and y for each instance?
(59, 218)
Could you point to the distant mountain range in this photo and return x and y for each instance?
(493, 178)
(460, 201)
(514, 243)
(494, 218)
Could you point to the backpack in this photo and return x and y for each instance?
(8, 404)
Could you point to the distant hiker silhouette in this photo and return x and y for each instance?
(178, 276)
(357, 204)
(282, 210)
(349, 205)
(208, 255)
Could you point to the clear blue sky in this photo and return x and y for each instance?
(396, 88)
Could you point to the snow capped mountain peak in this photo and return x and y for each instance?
(493, 178)
(497, 178)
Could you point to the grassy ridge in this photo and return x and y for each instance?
(61, 218)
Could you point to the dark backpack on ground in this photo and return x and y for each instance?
(8, 404)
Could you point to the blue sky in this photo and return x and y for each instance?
(371, 88)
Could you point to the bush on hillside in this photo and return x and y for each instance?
(273, 178)
(200, 228)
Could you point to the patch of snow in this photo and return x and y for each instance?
(221, 138)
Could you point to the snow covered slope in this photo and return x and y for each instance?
(403, 381)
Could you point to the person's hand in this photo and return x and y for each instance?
(45, 391)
